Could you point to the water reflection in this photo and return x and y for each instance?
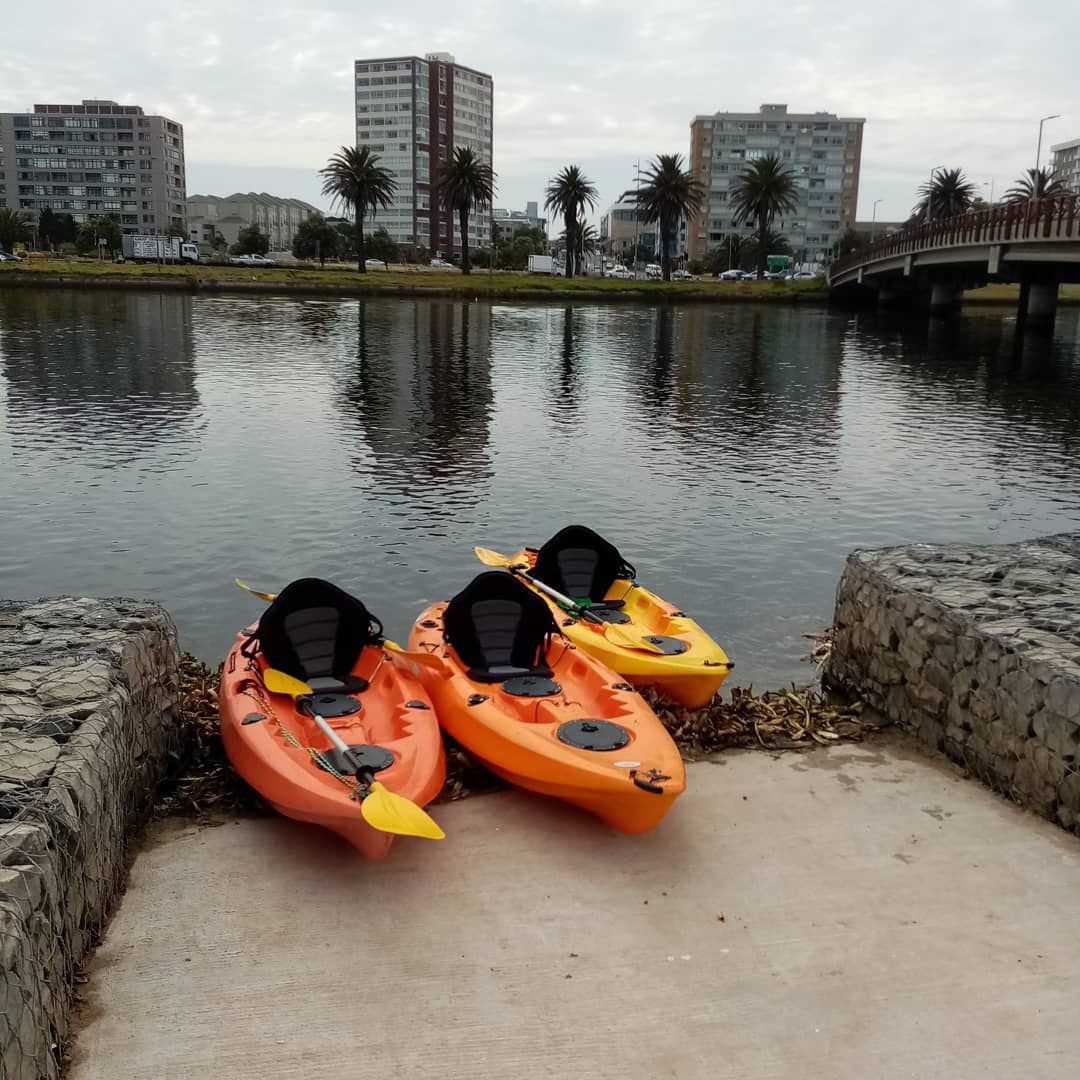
(107, 376)
(420, 398)
(160, 445)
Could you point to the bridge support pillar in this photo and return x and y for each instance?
(1041, 303)
(944, 298)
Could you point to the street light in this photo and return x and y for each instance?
(873, 220)
(990, 184)
(930, 194)
(1038, 151)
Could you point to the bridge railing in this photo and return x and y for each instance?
(1039, 219)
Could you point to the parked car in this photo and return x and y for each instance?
(681, 275)
(251, 260)
(652, 270)
(441, 264)
(805, 275)
(375, 264)
(9, 256)
(731, 275)
(619, 271)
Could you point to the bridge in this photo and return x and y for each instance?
(1036, 244)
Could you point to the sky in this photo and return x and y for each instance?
(264, 89)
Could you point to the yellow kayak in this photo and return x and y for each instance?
(639, 635)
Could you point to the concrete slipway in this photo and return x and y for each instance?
(882, 917)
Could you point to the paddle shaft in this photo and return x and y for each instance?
(362, 774)
(576, 609)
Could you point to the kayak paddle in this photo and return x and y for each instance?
(269, 597)
(615, 634)
(382, 809)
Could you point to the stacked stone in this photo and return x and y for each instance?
(977, 650)
(89, 714)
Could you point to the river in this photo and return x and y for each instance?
(160, 445)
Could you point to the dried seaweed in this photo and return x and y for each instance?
(203, 781)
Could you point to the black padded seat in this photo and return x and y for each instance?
(315, 631)
(581, 564)
(499, 628)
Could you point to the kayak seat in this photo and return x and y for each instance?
(315, 631)
(580, 564)
(499, 628)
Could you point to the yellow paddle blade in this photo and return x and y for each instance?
(423, 659)
(277, 682)
(618, 636)
(492, 558)
(269, 597)
(387, 812)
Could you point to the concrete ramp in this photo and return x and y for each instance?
(849, 913)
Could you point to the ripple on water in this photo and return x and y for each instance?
(161, 445)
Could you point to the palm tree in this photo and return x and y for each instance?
(569, 194)
(1037, 184)
(766, 189)
(669, 193)
(14, 229)
(950, 193)
(354, 179)
(584, 243)
(464, 183)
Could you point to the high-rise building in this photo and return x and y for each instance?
(413, 113)
(1066, 163)
(822, 150)
(97, 159)
(278, 218)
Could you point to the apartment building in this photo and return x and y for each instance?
(97, 159)
(225, 216)
(413, 112)
(506, 222)
(1066, 163)
(822, 150)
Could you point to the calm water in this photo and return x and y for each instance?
(161, 445)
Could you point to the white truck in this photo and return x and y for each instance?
(143, 248)
(541, 264)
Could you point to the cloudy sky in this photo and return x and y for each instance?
(264, 89)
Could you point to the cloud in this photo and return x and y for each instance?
(264, 89)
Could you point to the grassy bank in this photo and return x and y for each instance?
(412, 281)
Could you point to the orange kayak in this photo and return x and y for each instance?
(321, 635)
(542, 713)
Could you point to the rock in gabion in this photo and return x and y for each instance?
(977, 651)
(89, 693)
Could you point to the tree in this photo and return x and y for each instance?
(753, 254)
(354, 179)
(950, 193)
(464, 183)
(851, 240)
(764, 191)
(346, 230)
(219, 244)
(569, 194)
(668, 194)
(14, 229)
(91, 232)
(382, 246)
(585, 241)
(1037, 184)
(251, 240)
(49, 228)
(316, 239)
(67, 231)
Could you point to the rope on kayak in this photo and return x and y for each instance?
(357, 790)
